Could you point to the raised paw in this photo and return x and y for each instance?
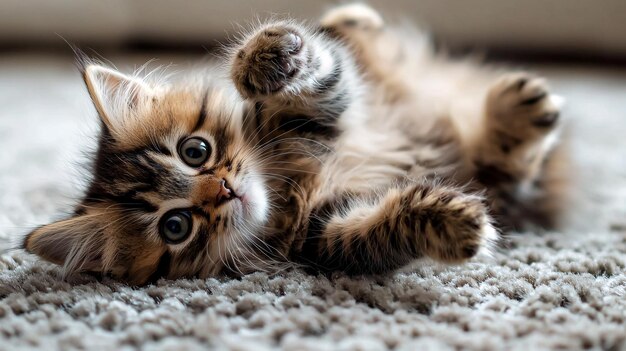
(357, 15)
(454, 226)
(268, 60)
(521, 104)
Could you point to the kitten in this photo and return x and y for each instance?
(348, 146)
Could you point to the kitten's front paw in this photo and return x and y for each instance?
(523, 105)
(456, 225)
(268, 61)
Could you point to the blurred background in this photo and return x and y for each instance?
(47, 120)
(554, 28)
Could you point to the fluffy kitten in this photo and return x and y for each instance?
(347, 146)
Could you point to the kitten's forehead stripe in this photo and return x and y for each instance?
(203, 112)
(131, 200)
(125, 177)
(167, 183)
(221, 141)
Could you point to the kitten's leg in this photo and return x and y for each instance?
(287, 66)
(352, 16)
(387, 232)
(520, 130)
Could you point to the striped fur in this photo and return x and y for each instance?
(350, 145)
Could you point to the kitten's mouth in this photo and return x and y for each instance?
(251, 204)
(224, 200)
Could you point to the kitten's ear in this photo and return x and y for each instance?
(76, 243)
(117, 97)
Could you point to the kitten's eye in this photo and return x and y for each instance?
(175, 226)
(195, 151)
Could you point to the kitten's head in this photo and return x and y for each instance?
(175, 188)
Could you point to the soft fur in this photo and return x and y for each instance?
(347, 146)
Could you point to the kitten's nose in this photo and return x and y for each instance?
(224, 193)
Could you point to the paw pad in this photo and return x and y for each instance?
(268, 61)
(522, 104)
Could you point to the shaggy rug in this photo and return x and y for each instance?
(562, 290)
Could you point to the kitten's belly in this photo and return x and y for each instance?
(408, 143)
(365, 158)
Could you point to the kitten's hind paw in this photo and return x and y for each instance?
(357, 15)
(523, 105)
(269, 60)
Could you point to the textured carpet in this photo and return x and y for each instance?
(563, 290)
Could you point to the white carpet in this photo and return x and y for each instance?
(552, 291)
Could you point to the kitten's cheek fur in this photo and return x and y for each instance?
(257, 203)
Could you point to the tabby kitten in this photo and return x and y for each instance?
(346, 146)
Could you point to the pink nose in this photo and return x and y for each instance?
(224, 192)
